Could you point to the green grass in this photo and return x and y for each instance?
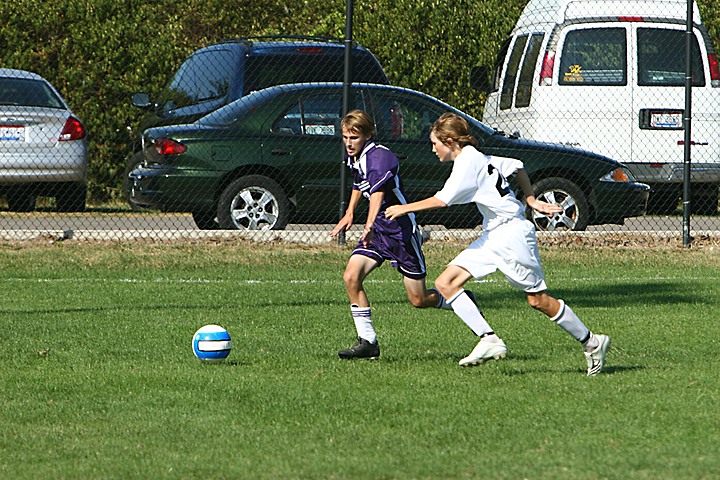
(98, 379)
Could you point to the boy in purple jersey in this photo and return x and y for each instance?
(507, 243)
(376, 177)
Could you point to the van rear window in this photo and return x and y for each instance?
(661, 58)
(594, 56)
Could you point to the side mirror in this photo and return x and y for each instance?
(480, 78)
(142, 100)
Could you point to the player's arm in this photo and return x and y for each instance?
(543, 207)
(376, 200)
(347, 220)
(429, 203)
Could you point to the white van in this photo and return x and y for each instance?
(609, 76)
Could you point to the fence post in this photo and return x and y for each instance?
(346, 105)
(687, 125)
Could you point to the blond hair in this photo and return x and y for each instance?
(360, 122)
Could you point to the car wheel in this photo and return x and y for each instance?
(576, 210)
(205, 220)
(21, 201)
(254, 202)
(72, 198)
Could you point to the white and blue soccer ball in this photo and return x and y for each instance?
(211, 344)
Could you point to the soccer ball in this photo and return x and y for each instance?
(211, 344)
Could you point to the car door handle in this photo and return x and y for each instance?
(280, 151)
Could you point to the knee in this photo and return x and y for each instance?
(536, 302)
(443, 287)
(352, 279)
(416, 301)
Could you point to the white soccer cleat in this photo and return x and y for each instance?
(483, 352)
(596, 358)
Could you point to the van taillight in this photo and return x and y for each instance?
(714, 70)
(547, 68)
(630, 19)
(73, 130)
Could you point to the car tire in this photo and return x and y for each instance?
(72, 198)
(205, 220)
(576, 209)
(21, 201)
(254, 202)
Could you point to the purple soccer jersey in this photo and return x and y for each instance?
(400, 241)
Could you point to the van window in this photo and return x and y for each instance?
(508, 88)
(499, 62)
(594, 56)
(204, 76)
(661, 58)
(525, 81)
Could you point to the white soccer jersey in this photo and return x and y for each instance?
(481, 178)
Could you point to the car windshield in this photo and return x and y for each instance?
(28, 92)
(230, 113)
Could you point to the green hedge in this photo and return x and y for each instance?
(99, 52)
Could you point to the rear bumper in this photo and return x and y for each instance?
(172, 189)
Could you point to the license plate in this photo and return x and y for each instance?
(666, 119)
(12, 134)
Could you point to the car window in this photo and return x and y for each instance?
(203, 76)
(316, 114)
(403, 117)
(594, 56)
(525, 80)
(661, 58)
(266, 70)
(28, 92)
(508, 88)
(234, 111)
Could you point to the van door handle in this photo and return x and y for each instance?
(280, 151)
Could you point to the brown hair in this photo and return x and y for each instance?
(451, 126)
(360, 122)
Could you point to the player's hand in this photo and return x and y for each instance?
(366, 237)
(343, 225)
(393, 212)
(544, 207)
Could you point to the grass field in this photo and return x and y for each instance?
(98, 379)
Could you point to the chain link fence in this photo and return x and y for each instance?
(245, 138)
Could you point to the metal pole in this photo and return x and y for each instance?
(687, 124)
(347, 81)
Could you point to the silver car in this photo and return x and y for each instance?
(43, 146)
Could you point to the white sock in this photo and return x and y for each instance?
(442, 303)
(363, 323)
(469, 313)
(568, 321)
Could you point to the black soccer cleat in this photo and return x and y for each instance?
(362, 349)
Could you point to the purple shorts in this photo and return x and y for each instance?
(403, 249)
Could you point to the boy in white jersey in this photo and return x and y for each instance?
(376, 176)
(507, 243)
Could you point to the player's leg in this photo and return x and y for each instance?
(421, 297)
(357, 269)
(596, 346)
(450, 284)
